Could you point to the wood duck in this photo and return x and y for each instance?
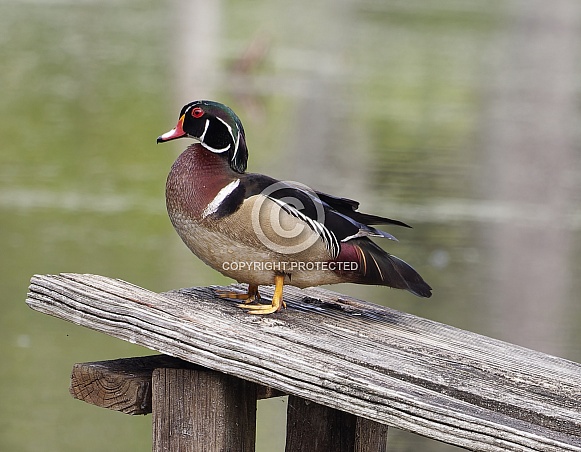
(258, 230)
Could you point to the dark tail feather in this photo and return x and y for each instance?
(378, 267)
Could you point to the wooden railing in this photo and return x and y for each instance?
(350, 368)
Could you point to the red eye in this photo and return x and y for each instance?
(197, 112)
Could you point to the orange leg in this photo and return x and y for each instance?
(277, 301)
(249, 297)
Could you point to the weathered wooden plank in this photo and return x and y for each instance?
(374, 362)
(122, 384)
(202, 410)
(125, 384)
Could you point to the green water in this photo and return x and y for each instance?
(373, 101)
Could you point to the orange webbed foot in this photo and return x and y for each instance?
(277, 301)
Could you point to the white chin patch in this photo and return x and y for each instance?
(216, 151)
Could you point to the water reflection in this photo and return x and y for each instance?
(443, 115)
(529, 148)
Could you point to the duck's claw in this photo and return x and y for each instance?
(249, 297)
(277, 301)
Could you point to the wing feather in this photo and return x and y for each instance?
(334, 219)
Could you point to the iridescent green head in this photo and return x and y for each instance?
(217, 128)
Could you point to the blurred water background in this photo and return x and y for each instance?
(460, 117)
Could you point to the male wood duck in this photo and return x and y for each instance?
(258, 230)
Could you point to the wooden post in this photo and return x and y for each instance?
(195, 410)
(318, 428)
(370, 436)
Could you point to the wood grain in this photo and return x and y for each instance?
(122, 384)
(387, 366)
(202, 410)
(318, 428)
(370, 436)
(125, 384)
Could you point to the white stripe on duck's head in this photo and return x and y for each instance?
(217, 128)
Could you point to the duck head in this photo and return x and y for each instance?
(216, 127)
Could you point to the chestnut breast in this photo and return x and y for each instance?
(195, 179)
